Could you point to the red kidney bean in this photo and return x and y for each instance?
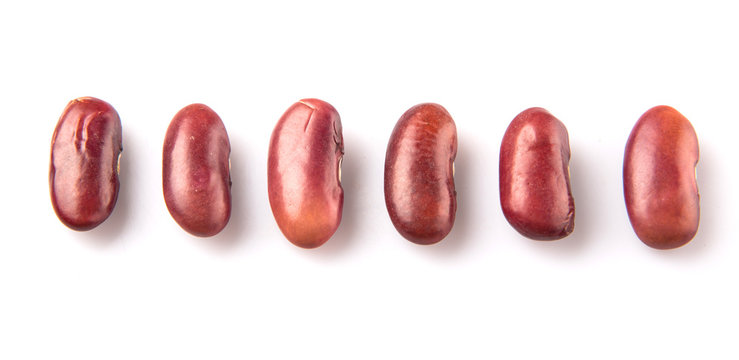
(196, 171)
(535, 178)
(419, 174)
(303, 172)
(85, 153)
(660, 185)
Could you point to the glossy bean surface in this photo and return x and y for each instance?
(196, 171)
(660, 186)
(303, 172)
(419, 175)
(85, 154)
(534, 175)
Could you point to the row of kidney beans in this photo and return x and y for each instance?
(304, 173)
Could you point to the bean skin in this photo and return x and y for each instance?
(535, 190)
(660, 186)
(85, 153)
(303, 173)
(419, 174)
(196, 171)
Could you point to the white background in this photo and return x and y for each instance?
(139, 287)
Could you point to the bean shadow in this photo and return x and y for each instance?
(587, 190)
(710, 206)
(234, 231)
(114, 226)
(353, 170)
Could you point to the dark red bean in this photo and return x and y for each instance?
(85, 153)
(303, 172)
(660, 185)
(535, 178)
(419, 174)
(196, 171)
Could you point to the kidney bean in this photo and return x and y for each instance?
(535, 178)
(196, 171)
(85, 154)
(419, 174)
(660, 185)
(303, 172)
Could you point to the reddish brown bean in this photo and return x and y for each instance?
(535, 178)
(303, 172)
(196, 171)
(419, 174)
(85, 154)
(660, 185)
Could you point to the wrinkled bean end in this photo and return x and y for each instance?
(303, 171)
(534, 175)
(660, 187)
(196, 171)
(419, 176)
(85, 152)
